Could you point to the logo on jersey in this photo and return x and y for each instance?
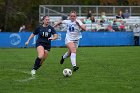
(15, 39)
(49, 30)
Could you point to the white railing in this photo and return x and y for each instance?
(82, 9)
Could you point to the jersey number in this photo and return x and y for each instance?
(45, 34)
(71, 28)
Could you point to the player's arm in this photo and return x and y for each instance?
(81, 25)
(57, 24)
(31, 36)
(55, 36)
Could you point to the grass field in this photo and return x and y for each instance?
(102, 70)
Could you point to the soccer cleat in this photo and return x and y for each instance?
(75, 68)
(62, 60)
(33, 72)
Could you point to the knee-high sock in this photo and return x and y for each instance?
(37, 63)
(65, 55)
(73, 59)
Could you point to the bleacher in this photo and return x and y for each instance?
(129, 23)
(56, 11)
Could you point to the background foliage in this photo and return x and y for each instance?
(14, 13)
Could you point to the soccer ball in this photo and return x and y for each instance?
(67, 72)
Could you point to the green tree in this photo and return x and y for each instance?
(14, 13)
(108, 2)
(134, 2)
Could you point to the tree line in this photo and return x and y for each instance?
(14, 13)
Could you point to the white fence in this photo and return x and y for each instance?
(56, 10)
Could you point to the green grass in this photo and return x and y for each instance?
(102, 70)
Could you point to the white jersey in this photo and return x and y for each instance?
(73, 30)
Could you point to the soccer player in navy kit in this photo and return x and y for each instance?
(43, 43)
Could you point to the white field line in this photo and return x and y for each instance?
(25, 72)
(26, 79)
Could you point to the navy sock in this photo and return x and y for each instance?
(37, 63)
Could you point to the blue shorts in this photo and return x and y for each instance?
(45, 45)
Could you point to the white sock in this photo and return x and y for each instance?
(65, 55)
(73, 59)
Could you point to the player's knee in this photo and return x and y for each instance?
(45, 54)
(73, 50)
(41, 55)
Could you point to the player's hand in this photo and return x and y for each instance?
(26, 43)
(50, 38)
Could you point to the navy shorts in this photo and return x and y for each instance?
(45, 45)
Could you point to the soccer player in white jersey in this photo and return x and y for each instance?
(73, 35)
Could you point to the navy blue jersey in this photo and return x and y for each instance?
(44, 33)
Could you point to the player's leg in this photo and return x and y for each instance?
(44, 57)
(37, 64)
(66, 55)
(72, 47)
